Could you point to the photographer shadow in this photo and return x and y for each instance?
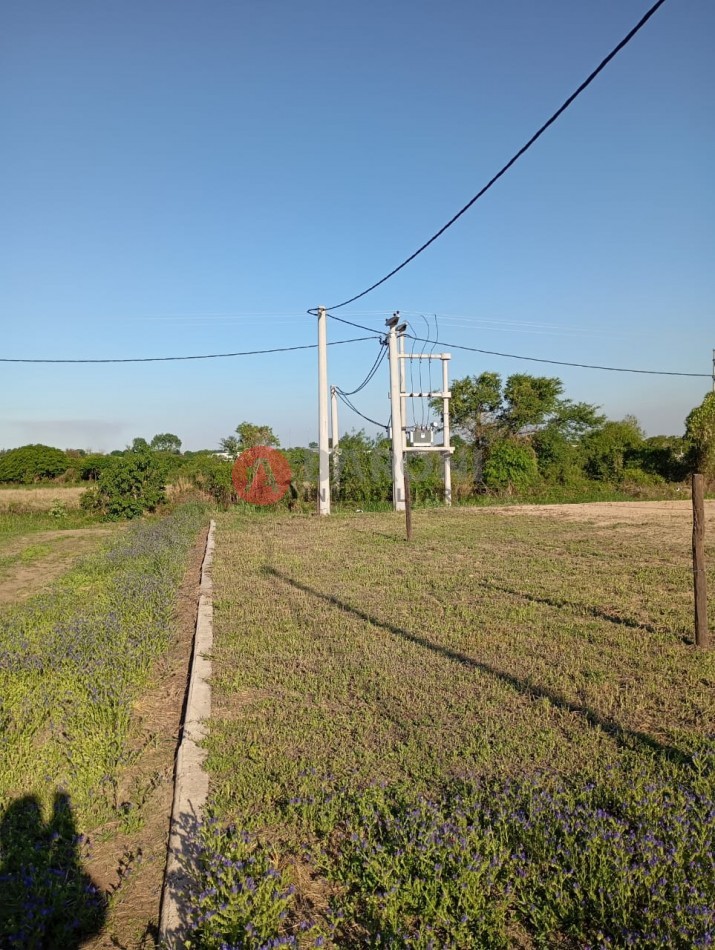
(48, 900)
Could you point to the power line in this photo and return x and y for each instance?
(574, 95)
(371, 372)
(349, 404)
(348, 323)
(536, 359)
(204, 356)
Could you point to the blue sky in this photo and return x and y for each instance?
(180, 178)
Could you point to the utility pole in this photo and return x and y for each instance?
(447, 456)
(403, 386)
(323, 446)
(714, 371)
(335, 447)
(398, 460)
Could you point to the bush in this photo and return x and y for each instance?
(635, 475)
(365, 471)
(211, 475)
(128, 486)
(511, 466)
(91, 467)
(32, 463)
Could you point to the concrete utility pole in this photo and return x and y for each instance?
(398, 460)
(447, 457)
(335, 434)
(323, 446)
(403, 385)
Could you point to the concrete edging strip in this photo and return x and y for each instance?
(191, 783)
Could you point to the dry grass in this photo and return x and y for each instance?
(39, 499)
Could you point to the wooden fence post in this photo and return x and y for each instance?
(699, 577)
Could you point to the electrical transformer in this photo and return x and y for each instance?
(421, 436)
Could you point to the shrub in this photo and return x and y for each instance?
(700, 434)
(32, 463)
(128, 486)
(511, 466)
(211, 475)
(91, 467)
(609, 449)
(635, 475)
(365, 473)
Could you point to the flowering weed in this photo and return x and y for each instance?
(73, 660)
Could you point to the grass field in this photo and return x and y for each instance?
(499, 735)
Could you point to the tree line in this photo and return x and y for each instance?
(518, 436)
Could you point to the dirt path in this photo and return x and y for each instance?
(610, 512)
(30, 563)
(664, 522)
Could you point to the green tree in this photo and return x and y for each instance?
(166, 442)
(485, 413)
(473, 411)
(138, 445)
(608, 449)
(474, 405)
(529, 401)
(247, 436)
(559, 458)
(128, 485)
(558, 443)
(700, 435)
(32, 463)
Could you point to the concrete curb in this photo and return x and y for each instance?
(191, 783)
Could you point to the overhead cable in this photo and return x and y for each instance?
(537, 359)
(574, 95)
(349, 404)
(371, 372)
(348, 323)
(203, 356)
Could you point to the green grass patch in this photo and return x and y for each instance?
(497, 736)
(14, 524)
(72, 663)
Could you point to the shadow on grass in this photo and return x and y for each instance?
(559, 603)
(626, 737)
(47, 899)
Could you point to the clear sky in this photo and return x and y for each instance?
(181, 178)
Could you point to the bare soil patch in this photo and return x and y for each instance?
(664, 521)
(609, 512)
(49, 554)
(130, 865)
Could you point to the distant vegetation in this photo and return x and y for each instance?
(32, 463)
(518, 438)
